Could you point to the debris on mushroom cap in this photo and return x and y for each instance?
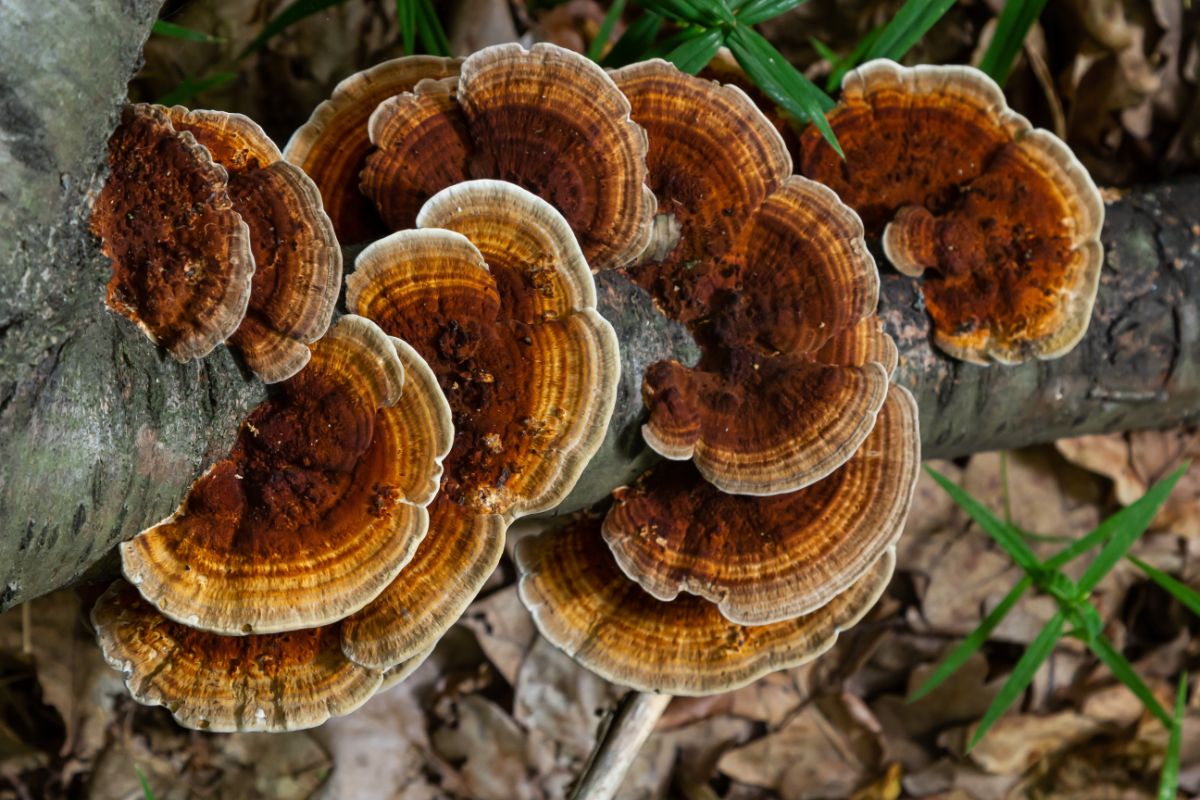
(507, 320)
(1001, 219)
(319, 504)
(182, 261)
(298, 263)
(332, 146)
(765, 559)
(584, 605)
(547, 119)
(766, 268)
(275, 682)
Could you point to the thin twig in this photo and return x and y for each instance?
(618, 745)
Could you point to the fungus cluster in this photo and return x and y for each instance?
(214, 237)
(1000, 220)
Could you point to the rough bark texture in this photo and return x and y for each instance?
(100, 434)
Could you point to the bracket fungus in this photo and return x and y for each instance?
(546, 119)
(182, 260)
(297, 259)
(332, 147)
(493, 290)
(214, 237)
(1001, 220)
(319, 504)
(583, 604)
(767, 269)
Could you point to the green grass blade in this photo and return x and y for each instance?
(1012, 27)
(189, 88)
(164, 28)
(147, 792)
(1005, 535)
(636, 42)
(680, 11)
(596, 49)
(772, 73)
(694, 54)
(1168, 783)
(1127, 525)
(912, 21)
(974, 641)
(757, 11)
(1123, 670)
(429, 28)
(297, 11)
(1185, 594)
(406, 18)
(1022, 675)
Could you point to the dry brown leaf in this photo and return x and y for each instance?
(504, 629)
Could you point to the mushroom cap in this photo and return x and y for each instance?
(298, 270)
(584, 605)
(765, 268)
(770, 408)
(765, 559)
(546, 119)
(320, 502)
(499, 299)
(332, 146)
(277, 682)
(182, 273)
(1004, 217)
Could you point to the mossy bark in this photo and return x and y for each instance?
(101, 434)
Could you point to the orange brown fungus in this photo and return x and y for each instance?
(583, 604)
(765, 268)
(1002, 219)
(494, 292)
(276, 682)
(298, 263)
(765, 559)
(332, 147)
(547, 119)
(181, 258)
(318, 505)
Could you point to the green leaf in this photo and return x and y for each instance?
(1127, 525)
(1012, 27)
(406, 17)
(635, 43)
(1185, 594)
(824, 52)
(164, 28)
(912, 21)
(429, 27)
(301, 9)
(974, 641)
(757, 11)
(1005, 535)
(147, 792)
(189, 88)
(694, 54)
(1168, 783)
(772, 73)
(680, 11)
(596, 49)
(1022, 675)
(1123, 671)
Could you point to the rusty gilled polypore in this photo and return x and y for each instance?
(493, 290)
(1000, 220)
(298, 263)
(182, 261)
(332, 147)
(213, 237)
(770, 272)
(546, 119)
(319, 504)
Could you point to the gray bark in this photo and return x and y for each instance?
(100, 434)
